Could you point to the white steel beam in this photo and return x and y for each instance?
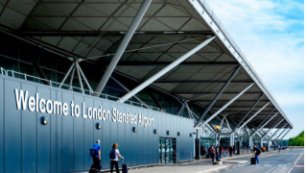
(277, 124)
(79, 77)
(253, 116)
(253, 107)
(222, 122)
(126, 89)
(66, 75)
(181, 109)
(284, 134)
(277, 132)
(119, 52)
(265, 124)
(227, 104)
(72, 78)
(84, 78)
(219, 94)
(165, 70)
(190, 112)
(227, 122)
(266, 119)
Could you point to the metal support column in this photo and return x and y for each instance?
(227, 104)
(219, 94)
(119, 52)
(66, 75)
(79, 77)
(232, 139)
(252, 117)
(227, 122)
(272, 128)
(276, 132)
(84, 78)
(165, 70)
(181, 109)
(190, 112)
(72, 78)
(284, 134)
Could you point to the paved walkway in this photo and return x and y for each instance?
(197, 166)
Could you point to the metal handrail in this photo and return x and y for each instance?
(27, 77)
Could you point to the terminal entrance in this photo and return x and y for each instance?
(167, 150)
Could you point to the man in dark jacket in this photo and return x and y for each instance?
(257, 153)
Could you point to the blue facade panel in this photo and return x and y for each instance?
(29, 137)
(43, 136)
(62, 145)
(78, 139)
(12, 136)
(2, 125)
(68, 136)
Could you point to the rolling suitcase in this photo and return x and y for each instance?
(253, 161)
(124, 168)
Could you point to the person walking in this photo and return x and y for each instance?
(114, 157)
(233, 149)
(96, 156)
(257, 153)
(217, 154)
(230, 151)
(212, 153)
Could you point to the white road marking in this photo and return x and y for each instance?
(295, 162)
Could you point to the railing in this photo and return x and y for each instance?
(27, 77)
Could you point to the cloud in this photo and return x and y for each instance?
(270, 34)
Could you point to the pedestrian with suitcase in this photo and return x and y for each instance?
(257, 152)
(124, 168)
(114, 157)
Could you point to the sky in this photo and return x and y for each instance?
(270, 33)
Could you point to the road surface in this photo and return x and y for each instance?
(286, 161)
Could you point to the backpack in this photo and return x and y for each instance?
(112, 154)
(93, 151)
(258, 152)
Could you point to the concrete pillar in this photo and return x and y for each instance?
(251, 142)
(197, 145)
(232, 139)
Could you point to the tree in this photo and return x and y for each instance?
(297, 141)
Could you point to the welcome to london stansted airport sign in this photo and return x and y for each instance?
(36, 103)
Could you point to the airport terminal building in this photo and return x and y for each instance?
(155, 76)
